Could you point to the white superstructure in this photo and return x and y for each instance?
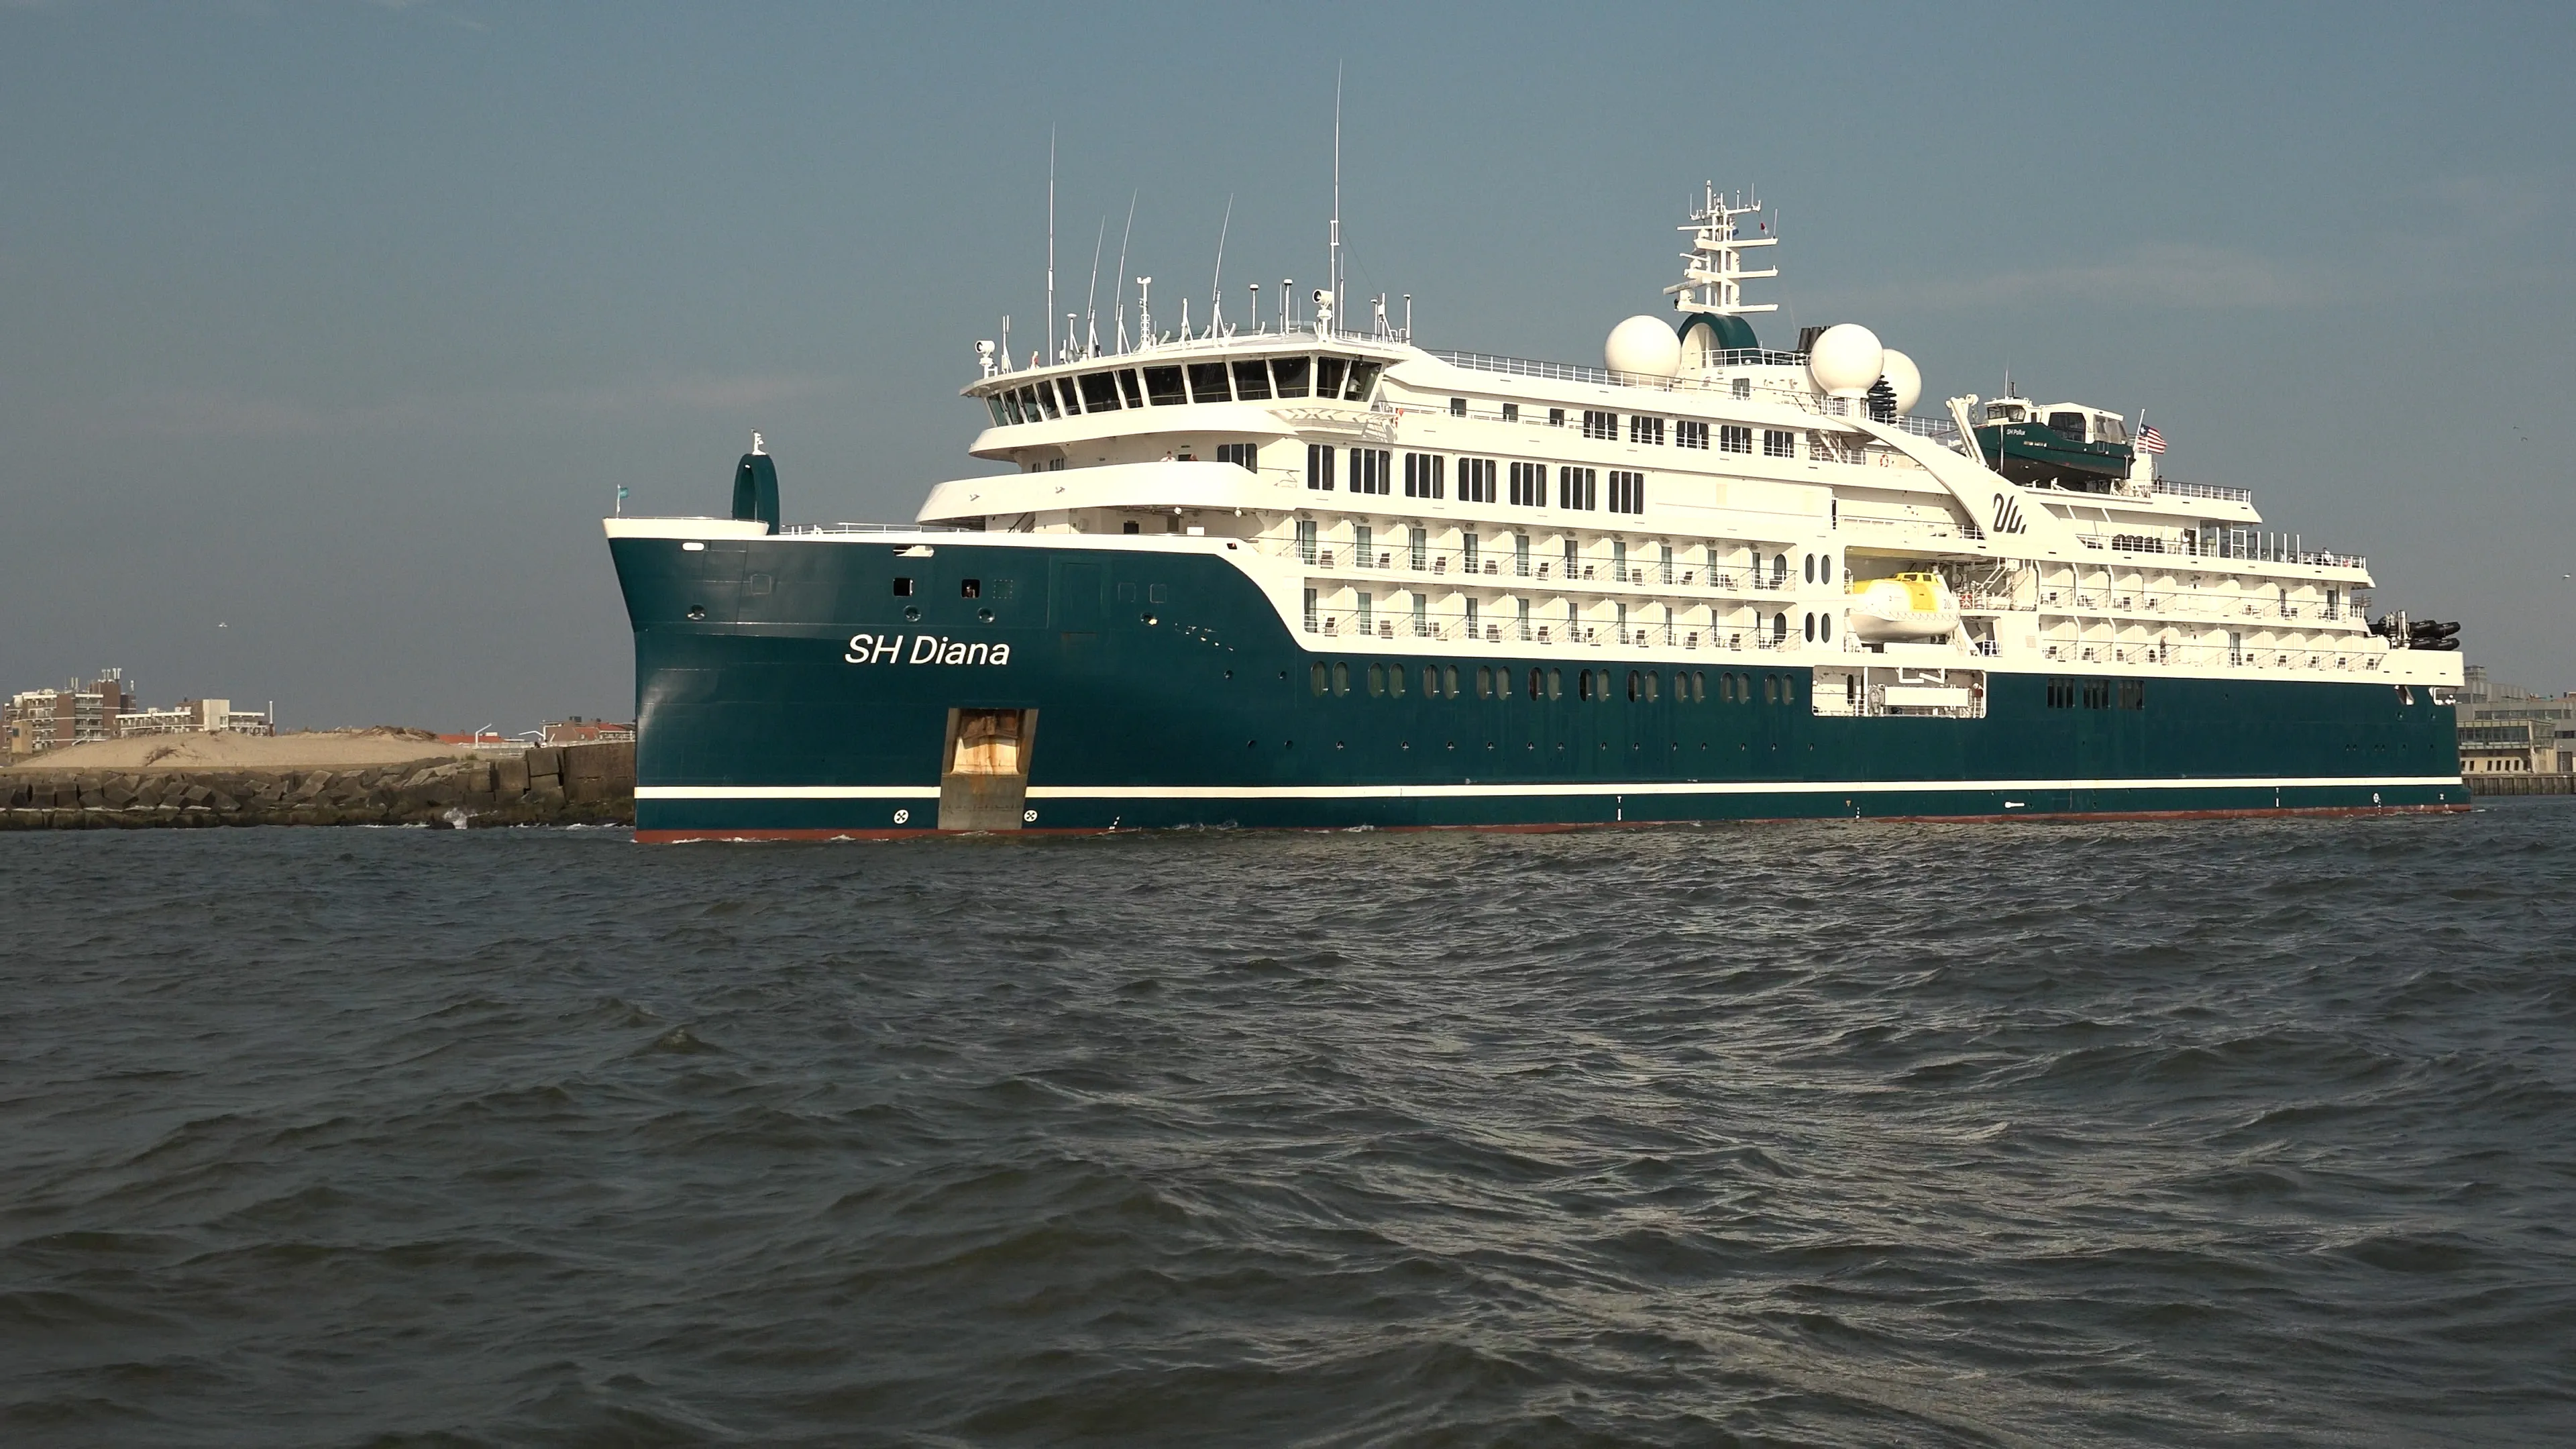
(1699, 497)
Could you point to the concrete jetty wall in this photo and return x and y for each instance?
(566, 785)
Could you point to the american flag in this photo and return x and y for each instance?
(2150, 439)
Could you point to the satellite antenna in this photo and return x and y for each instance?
(1216, 287)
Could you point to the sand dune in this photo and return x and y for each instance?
(322, 749)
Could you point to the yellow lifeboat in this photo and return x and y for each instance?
(1906, 606)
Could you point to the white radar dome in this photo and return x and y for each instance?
(1645, 345)
(1845, 360)
(1902, 375)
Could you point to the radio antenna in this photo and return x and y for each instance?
(1050, 275)
(1122, 270)
(1333, 277)
(1091, 318)
(1216, 288)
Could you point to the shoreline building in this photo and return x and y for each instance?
(107, 708)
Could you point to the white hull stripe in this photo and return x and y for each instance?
(1468, 792)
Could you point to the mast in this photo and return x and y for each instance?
(1050, 276)
(1333, 275)
(1713, 274)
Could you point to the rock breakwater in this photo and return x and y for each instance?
(573, 784)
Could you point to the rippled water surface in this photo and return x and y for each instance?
(2243, 1132)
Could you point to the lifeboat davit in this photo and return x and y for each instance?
(1906, 606)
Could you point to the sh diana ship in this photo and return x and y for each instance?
(1296, 574)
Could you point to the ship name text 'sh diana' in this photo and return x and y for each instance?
(1301, 574)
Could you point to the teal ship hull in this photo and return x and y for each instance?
(813, 687)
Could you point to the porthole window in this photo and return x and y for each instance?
(1431, 681)
(1534, 684)
(1810, 621)
(1825, 628)
(1377, 681)
(1395, 680)
(1636, 690)
(1807, 566)
(1341, 679)
(1654, 686)
(1770, 689)
(1319, 679)
(903, 588)
(1699, 687)
(1556, 684)
(1449, 680)
(1484, 681)
(1583, 685)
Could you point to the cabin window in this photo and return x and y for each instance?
(1099, 392)
(1239, 454)
(1377, 681)
(1457, 407)
(1690, 435)
(1127, 385)
(2067, 425)
(1319, 469)
(902, 588)
(1467, 551)
(1313, 617)
(1520, 562)
(1367, 624)
(1574, 488)
(1808, 562)
(1423, 477)
(1583, 685)
(1511, 412)
(1362, 540)
(1529, 485)
(1601, 425)
(2133, 694)
(1770, 689)
(1777, 444)
(1363, 377)
(1732, 439)
(1288, 374)
(1449, 680)
(1369, 469)
(1208, 384)
(1341, 679)
(1163, 385)
(1811, 628)
(1251, 379)
(1744, 387)
(1395, 680)
(970, 588)
(1306, 540)
(1627, 492)
(1418, 546)
(1475, 480)
(1319, 677)
(1699, 687)
(1556, 417)
(1328, 376)
(1646, 430)
(1556, 684)
(1131, 527)
(1534, 689)
(1636, 687)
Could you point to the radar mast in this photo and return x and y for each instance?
(1713, 273)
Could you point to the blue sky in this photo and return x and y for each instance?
(340, 324)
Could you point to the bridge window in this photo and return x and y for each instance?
(1208, 384)
(1328, 376)
(1252, 379)
(1363, 377)
(1163, 385)
(1072, 396)
(1289, 373)
(1099, 392)
(1127, 385)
